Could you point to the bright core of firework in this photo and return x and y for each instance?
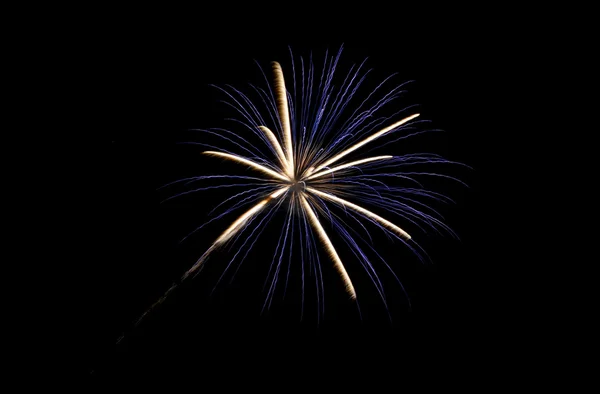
(303, 178)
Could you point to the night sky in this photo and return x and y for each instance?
(151, 84)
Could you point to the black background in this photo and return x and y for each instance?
(147, 83)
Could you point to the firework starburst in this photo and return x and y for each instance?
(305, 159)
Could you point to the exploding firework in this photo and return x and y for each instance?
(304, 155)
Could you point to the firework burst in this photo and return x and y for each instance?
(304, 158)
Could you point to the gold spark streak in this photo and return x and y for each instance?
(341, 167)
(242, 219)
(275, 143)
(247, 162)
(314, 221)
(386, 223)
(284, 115)
(361, 143)
(234, 227)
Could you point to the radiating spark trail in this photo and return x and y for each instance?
(247, 162)
(242, 219)
(362, 143)
(227, 234)
(403, 234)
(284, 115)
(275, 143)
(314, 221)
(233, 228)
(341, 167)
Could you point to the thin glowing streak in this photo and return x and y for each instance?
(231, 230)
(242, 219)
(247, 162)
(353, 163)
(361, 143)
(224, 237)
(273, 140)
(314, 221)
(403, 234)
(284, 115)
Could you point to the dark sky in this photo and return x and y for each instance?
(150, 82)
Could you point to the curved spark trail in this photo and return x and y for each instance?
(314, 221)
(248, 162)
(275, 143)
(360, 144)
(351, 164)
(284, 116)
(366, 212)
